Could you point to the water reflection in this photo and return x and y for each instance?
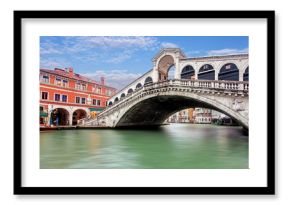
(173, 146)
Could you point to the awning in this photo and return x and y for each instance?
(43, 114)
(96, 109)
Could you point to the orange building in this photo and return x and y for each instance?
(67, 97)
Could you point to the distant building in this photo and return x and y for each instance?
(203, 116)
(67, 97)
(200, 116)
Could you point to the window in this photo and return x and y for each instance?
(94, 101)
(44, 95)
(58, 81)
(83, 87)
(64, 98)
(108, 92)
(57, 97)
(41, 109)
(45, 79)
(78, 100)
(98, 102)
(64, 83)
(83, 100)
(98, 90)
(78, 86)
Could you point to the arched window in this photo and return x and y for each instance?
(122, 95)
(229, 71)
(188, 72)
(138, 86)
(148, 80)
(116, 99)
(130, 90)
(206, 72)
(246, 75)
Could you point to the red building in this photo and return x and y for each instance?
(67, 97)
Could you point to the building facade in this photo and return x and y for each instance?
(67, 97)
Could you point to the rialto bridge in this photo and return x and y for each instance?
(215, 82)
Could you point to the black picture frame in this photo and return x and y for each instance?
(19, 189)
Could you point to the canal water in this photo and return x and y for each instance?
(174, 146)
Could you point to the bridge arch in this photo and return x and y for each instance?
(110, 103)
(116, 99)
(206, 72)
(155, 108)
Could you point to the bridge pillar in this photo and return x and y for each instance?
(241, 76)
(177, 72)
(216, 75)
(155, 75)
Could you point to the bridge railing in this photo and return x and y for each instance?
(198, 84)
(209, 84)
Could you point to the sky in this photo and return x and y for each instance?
(122, 59)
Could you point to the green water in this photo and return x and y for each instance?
(173, 146)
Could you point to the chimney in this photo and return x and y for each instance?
(102, 80)
(71, 72)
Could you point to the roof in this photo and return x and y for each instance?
(164, 50)
(64, 73)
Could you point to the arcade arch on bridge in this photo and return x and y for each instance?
(138, 86)
(229, 71)
(188, 72)
(246, 74)
(130, 91)
(165, 64)
(122, 95)
(148, 80)
(206, 72)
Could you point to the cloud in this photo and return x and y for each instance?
(49, 48)
(169, 45)
(227, 51)
(54, 63)
(122, 41)
(114, 78)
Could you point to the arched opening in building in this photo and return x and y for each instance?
(59, 116)
(166, 68)
(148, 80)
(138, 86)
(229, 71)
(110, 103)
(206, 72)
(116, 99)
(188, 72)
(246, 75)
(78, 115)
(170, 73)
(130, 91)
(123, 95)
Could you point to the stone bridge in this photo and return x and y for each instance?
(216, 82)
(154, 103)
